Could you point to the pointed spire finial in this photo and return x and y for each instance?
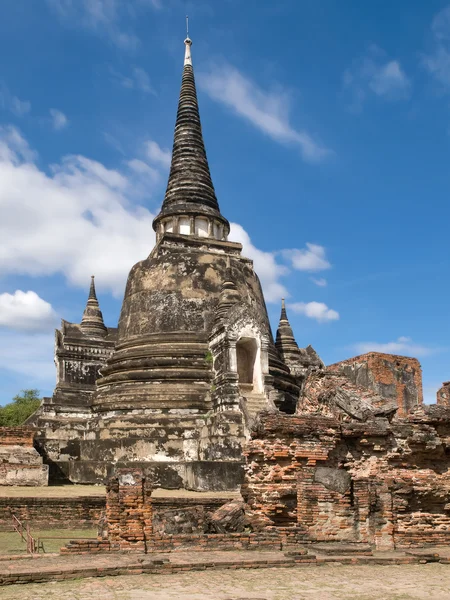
(188, 44)
(283, 315)
(92, 293)
(190, 191)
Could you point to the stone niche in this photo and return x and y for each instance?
(249, 364)
(239, 345)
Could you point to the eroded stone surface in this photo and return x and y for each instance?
(20, 463)
(394, 378)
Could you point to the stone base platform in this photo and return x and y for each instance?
(20, 463)
(199, 475)
(46, 568)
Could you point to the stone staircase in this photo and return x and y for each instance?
(255, 401)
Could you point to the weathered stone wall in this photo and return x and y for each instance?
(20, 463)
(393, 377)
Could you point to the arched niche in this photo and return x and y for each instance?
(248, 364)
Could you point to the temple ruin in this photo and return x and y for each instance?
(192, 391)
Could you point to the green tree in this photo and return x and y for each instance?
(22, 406)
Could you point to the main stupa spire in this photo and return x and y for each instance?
(190, 205)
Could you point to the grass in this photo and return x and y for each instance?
(11, 542)
(51, 491)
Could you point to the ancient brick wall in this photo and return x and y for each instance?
(129, 510)
(134, 521)
(17, 436)
(393, 377)
(271, 539)
(171, 516)
(273, 464)
(387, 484)
(309, 478)
(48, 513)
(327, 514)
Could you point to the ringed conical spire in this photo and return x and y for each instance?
(92, 323)
(285, 341)
(190, 192)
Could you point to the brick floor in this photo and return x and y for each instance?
(52, 568)
(329, 582)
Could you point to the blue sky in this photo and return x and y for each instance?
(327, 127)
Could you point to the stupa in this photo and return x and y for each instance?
(195, 359)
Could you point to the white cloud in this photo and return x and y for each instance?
(77, 220)
(138, 79)
(315, 310)
(25, 311)
(13, 147)
(155, 3)
(103, 17)
(157, 154)
(141, 167)
(402, 346)
(375, 74)
(84, 218)
(59, 119)
(268, 111)
(112, 19)
(10, 102)
(320, 281)
(438, 61)
(142, 80)
(266, 266)
(312, 259)
(390, 80)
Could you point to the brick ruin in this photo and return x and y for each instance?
(398, 378)
(443, 394)
(192, 391)
(378, 481)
